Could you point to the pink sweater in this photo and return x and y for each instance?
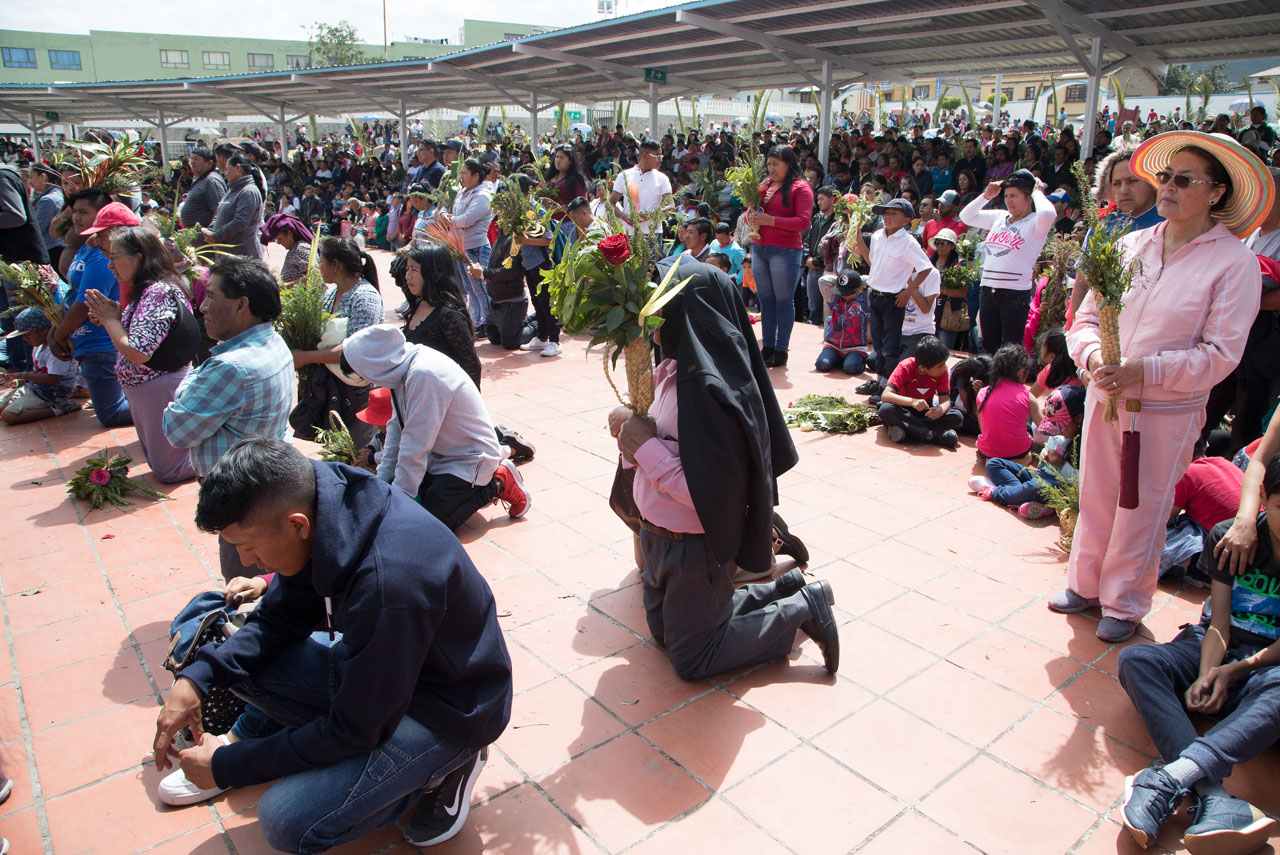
(1187, 319)
(790, 221)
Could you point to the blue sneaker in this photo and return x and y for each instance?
(1224, 825)
(1150, 798)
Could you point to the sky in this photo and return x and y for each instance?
(405, 18)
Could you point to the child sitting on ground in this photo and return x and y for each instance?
(1225, 664)
(46, 391)
(1207, 494)
(907, 407)
(844, 340)
(1009, 483)
(967, 377)
(1005, 405)
(1059, 368)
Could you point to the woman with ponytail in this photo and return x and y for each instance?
(239, 216)
(352, 294)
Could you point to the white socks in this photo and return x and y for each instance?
(1191, 776)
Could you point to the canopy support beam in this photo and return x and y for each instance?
(1091, 101)
(824, 118)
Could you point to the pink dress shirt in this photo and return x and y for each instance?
(661, 491)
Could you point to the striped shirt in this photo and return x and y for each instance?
(245, 388)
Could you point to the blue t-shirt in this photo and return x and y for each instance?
(1255, 594)
(90, 270)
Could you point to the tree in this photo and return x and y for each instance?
(1179, 79)
(335, 44)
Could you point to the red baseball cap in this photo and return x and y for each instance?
(112, 214)
(378, 413)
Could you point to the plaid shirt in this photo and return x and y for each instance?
(245, 388)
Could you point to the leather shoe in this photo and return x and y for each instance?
(790, 582)
(786, 543)
(821, 627)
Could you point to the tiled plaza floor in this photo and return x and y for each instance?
(966, 717)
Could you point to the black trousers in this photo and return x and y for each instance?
(506, 324)
(548, 329)
(918, 426)
(1002, 314)
(452, 500)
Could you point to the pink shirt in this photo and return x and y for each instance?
(1187, 319)
(791, 220)
(1002, 415)
(1209, 491)
(661, 491)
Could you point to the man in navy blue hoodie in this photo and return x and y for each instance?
(393, 704)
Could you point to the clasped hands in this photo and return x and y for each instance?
(631, 431)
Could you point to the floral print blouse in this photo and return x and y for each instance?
(147, 322)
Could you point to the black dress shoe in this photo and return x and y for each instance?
(790, 582)
(778, 359)
(766, 353)
(821, 627)
(871, 387)
(786, 543)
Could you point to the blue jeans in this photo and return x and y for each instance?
(1183, 540)
(318, 809)
(473, 290)
(1017, 484)
(777, 272)
(885, 320)
(1157, 675)
(98, 370)
(814, 293)
(854, 362)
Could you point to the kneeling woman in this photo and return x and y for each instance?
(156, 336)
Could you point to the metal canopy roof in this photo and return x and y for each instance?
(715, 46)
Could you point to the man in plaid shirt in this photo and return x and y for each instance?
(245, 388)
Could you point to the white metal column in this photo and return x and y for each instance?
(163, 128)
(996, 98)
(824, 117)
(1091, 100)
(35, 138)
(284, 134)
(654, 133)
(404, 135)
(533, 123)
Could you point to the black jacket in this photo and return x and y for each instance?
(504, 283)
(418, 622)
(733, 437)
(20, 238)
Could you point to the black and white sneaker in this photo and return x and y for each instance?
(521, 449)
(442, 812)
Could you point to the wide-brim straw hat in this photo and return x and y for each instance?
(943, 234)
(1252, 190)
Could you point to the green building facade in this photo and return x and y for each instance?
(105, 55)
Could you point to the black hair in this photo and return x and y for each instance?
(703, 227)
(573, 176)
(156, 265)
(1010, 363)
(1271, 480)
(251, 169)
(576, 203)
(1217, 173)
(346, 253)
(787, 155)
(704, 210)
(931, 351)
(651, 145)
(249, 277)
(475, 167)
(430, 145)
(225, 149)
(255, 474)
(526, 182)
(967, 370)
(723, 229)
(1061, 367)
(719, 259)
(95, 197)
(439, 280)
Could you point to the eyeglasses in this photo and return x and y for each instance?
(1182, 182)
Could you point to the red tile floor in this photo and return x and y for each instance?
(965, 718)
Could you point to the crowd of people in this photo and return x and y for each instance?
(923, 257)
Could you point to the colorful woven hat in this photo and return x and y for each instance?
(1252, 190)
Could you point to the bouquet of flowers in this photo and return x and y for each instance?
(302, 314)
(1104, 269)
(853, 210)
(745, 177)
(32, 285)
(519, 213)
(602, 285)
(105, 479)
(831, 414)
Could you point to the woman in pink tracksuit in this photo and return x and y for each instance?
(1182, 329)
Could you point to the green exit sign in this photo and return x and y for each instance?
(655, 75)
(571, 115)
(50, 116)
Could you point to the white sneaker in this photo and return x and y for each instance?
(534, 343)
(177, 791)
(552, 348)
(978, 483)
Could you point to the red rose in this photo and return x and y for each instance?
(615, 248)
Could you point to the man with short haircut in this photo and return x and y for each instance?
(394, 706)
(645, 187)
(310, 207)
(206, 191)
(429, 170)
(948, 218)
(699, 235)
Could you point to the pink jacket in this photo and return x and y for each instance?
(1188, 319)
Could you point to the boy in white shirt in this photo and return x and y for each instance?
(46, 391)
(919, 320)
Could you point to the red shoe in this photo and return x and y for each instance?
(513, 494)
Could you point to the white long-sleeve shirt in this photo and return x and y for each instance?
(1012, 248)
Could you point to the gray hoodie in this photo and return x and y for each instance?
(440, 425)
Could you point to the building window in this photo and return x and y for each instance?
(1029, 93)
(64, 60)
(1008, 93)
(18, 57)
(262, 61)
(217, 60)
(1074, 93)
(297, 60)
(174, 59)
(920, 91)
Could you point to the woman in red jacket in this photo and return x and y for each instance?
(776, 255)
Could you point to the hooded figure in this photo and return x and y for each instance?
(706, 463)
(440, 446)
